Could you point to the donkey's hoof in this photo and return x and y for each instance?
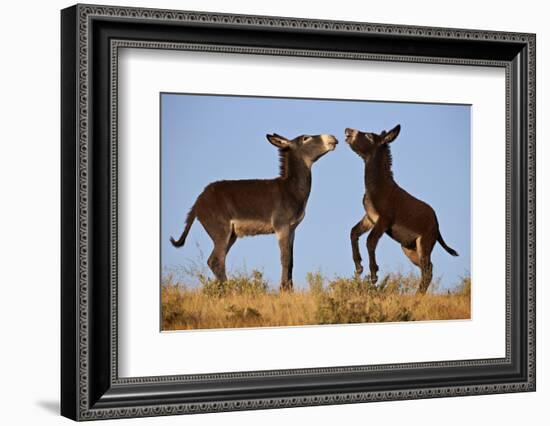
(286, 286)
(358, 270)
(373, 278)
(421, 291)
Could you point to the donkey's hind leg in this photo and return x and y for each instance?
(216, 262)
(424, 250)
(412, 255)
(223, 239)
(427, 273)
(359, 229)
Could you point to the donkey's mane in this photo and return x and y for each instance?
(386, 161)
(381, 166)
(283, 163)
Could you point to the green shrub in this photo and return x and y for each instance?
(358, 300)
(464, 288)
(315, 282)
(239, 283)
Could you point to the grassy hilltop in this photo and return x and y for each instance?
(246, 300)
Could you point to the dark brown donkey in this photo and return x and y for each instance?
(392, 210)
(230, 209)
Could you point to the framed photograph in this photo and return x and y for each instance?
(263, 212)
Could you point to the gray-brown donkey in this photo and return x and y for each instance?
(392, 210)
(236, 208)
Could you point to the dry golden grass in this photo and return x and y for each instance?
(246, 301)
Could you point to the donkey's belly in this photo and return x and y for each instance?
(406, 237)
(250, 227)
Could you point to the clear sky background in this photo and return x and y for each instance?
(209, 138)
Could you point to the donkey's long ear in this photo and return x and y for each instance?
(278, 140)
(391, 135)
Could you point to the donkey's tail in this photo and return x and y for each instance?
(188, 222)
(441, 241)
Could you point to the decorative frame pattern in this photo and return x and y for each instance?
(88, 402)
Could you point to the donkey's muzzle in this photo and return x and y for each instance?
(350, 134)
(329, 142)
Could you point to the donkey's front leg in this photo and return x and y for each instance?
(372, 241)
(285, 235)
(359, 229)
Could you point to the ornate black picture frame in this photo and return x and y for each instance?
(91, 388)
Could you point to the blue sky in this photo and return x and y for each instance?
(209, 138)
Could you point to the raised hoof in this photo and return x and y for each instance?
(358, 270)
